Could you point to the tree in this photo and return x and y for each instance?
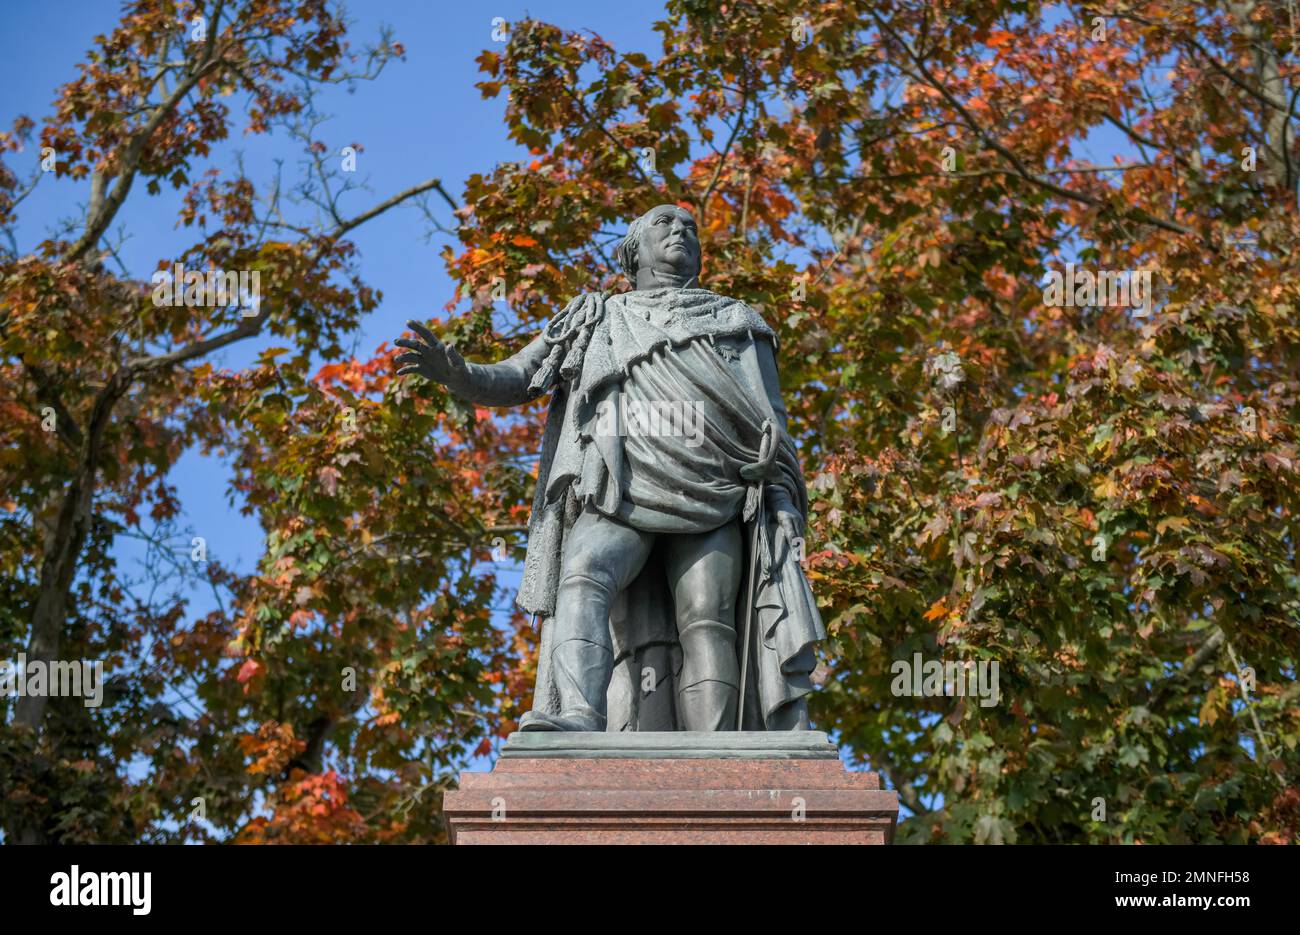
(1096, 493)
(107, 382)
(1098, 497)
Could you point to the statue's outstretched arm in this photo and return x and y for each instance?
(503, 384)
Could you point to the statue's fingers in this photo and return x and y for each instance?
(782, 538)
(409, 368)
(786, 522)
(409, 358)
(411, 344)
(424, 332)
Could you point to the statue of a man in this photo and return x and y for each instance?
(670, 504)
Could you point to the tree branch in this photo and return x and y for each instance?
(253, 324)
(928, 77)
(722, 157)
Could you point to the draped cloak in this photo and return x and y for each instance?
(644, 346)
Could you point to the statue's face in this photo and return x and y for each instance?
(669, 240)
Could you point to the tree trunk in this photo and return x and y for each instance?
(64, 542)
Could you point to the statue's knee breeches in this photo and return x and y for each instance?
(601, 558)
(704, 574)
(711, 602)
(589, 568)
(582, 609)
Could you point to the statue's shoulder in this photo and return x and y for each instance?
(582, 311)
(737, 315)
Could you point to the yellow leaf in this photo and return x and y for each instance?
(1172, 522)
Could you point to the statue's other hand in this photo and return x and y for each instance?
(430, 358)
(790, 525)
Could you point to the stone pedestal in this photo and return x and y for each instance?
(746, 787)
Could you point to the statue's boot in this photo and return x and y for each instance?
(537, 720)
(582, 660)
(709, 685)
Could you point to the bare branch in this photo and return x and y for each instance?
(253, 324)
(722, 157)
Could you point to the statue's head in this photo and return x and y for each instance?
(662, 248)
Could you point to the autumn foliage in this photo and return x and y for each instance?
(1100, 498)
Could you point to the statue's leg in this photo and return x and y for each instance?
(601, 557)
(704, 573)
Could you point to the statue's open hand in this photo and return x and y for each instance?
(430, 358)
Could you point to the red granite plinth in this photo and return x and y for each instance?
(670, 801)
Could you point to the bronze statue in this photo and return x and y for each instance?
(665, 540)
